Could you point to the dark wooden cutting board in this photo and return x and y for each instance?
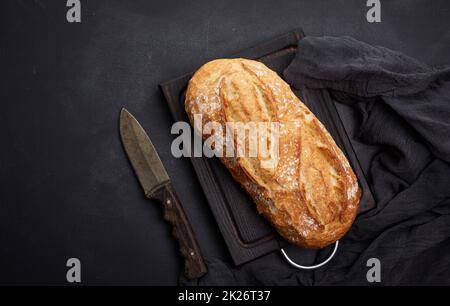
(246, 233)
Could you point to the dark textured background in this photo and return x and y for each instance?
(67, 189)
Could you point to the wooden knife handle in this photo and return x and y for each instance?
(194, 266)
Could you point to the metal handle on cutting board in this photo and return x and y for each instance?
(296, 265)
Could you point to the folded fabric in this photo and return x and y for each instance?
(419, 94)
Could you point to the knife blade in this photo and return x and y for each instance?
(156, 184)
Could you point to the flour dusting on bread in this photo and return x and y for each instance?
(312, 195)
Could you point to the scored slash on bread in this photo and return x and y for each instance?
(311, 197)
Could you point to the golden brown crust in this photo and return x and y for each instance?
(312, 195)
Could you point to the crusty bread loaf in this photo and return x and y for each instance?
(311, 196)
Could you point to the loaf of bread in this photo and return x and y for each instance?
(311, 196)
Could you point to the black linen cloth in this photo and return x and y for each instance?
(404, 113)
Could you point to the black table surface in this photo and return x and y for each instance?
(67, 189)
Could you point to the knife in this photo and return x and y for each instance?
(156, 184)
